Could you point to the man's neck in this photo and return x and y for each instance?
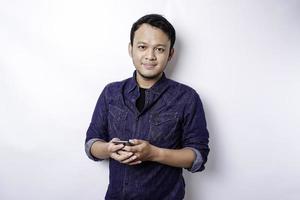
(146, 83)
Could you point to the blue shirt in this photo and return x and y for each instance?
(172, 117)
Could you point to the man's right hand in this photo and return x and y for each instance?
(115, 152)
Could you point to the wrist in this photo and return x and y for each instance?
(155, 153)
(99, 149)
(106, 148)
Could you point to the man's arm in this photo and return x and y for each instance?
(144, 151)
(174, 157)
(99, 149)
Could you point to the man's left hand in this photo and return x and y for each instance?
(143, 150)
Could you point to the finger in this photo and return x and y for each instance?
(134, 149)
(115, 147)
(123, 155)
(114, 156)
(129, 160)
(135, 162)
(135, 141)
(118, 157)
(137, 155)
(128, 148)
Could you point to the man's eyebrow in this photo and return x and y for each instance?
(154, 45)
(161, 45)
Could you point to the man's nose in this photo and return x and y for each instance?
(150, 55)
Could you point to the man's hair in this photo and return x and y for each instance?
(157, 21)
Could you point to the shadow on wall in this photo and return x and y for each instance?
(195, 180)
(172, 65)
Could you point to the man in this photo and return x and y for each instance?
(162, 119)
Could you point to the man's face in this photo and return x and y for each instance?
(150, 52)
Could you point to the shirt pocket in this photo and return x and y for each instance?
(116, 121)
(163, 126)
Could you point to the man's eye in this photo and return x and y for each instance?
(160, 50)
(141, 47)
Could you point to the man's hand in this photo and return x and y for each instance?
(116, 153)
(142, 151)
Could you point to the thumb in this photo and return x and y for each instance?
(114, 139)
(135, 141)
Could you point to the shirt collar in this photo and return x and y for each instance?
(158, 87)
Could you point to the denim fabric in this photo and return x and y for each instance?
(172, 117)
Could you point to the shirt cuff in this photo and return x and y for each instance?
(197, 162)
(88, 146)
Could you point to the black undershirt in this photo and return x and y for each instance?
(140, 102)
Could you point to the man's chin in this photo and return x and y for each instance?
(150, 76)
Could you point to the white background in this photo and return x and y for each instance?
(242, 57)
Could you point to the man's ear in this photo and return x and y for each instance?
(171, 54)
(130, 49)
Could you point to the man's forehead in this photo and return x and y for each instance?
(150, 34)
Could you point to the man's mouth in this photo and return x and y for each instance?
(148, 65)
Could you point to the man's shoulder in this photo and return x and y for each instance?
(182, 93)
(116, 85)
(179, 86)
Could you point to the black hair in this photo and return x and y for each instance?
(157, 21)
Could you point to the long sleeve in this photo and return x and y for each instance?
(98, 126)
(195, 133)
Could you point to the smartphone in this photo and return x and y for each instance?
(126, 143)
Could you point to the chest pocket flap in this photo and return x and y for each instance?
(163, 126)
(158, 119)
(117, 113)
